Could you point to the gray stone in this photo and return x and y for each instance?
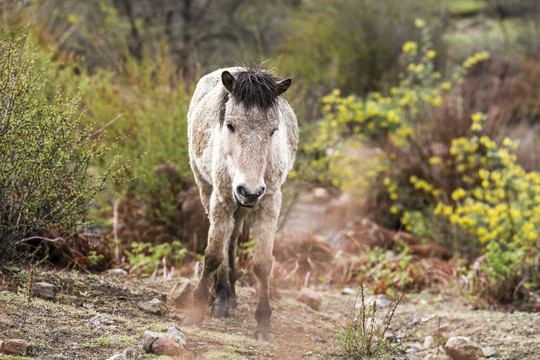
(429, 343)
(462, 348)
(115, 272)
(118, 356)
(154, 306)
(149, 338)
(98, 321)
(131, 353)
(348, 291)
(181, 293)
(174, 333)
(310, 297)
(44, 290)
(381, 300)
(320, 193)
(489, 351)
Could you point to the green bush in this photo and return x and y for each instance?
(350, 45)
(47, 178)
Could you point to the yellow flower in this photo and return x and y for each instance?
(476, 127)
(410, 47)
(458, 194)
(419, 23)
(431, 54)
(434, 160)
(477, 117)
(445, 85)
(507, 142)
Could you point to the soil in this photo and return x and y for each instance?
(60, 329)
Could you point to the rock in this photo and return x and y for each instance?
(44, 290)
(166, 346)
(115, 272)
(14, 346)
(381, 300)
(118, 356)
(429, 343)
(310, 297)
(148, 339)
(131, 353)
(443, 333)
(320, 193)
(154, 306)
(462, 348)
(98, 321)
(439, 356)
(181, 293)
(489, 351)
(173, 333)
(347, 291)
(415, 347)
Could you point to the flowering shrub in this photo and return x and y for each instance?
(465, 190)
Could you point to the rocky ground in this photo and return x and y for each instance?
(97, 316)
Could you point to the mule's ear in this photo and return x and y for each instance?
(283, 85)
(228, 80)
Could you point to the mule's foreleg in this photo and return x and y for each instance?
(226, 275)
(264, 229)
(221, 227)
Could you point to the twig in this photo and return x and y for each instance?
(115, 231)
(133, 268)
(307, 279)
(105, 126)
(164, 262)
(40, 238)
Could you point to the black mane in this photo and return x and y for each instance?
(256, 88)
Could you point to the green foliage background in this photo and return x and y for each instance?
(385, 92)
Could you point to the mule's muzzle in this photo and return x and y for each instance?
(248, 197)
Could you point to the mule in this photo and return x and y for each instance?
(243, 137)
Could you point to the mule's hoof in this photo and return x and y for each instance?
(232, 302)
(188, 321)
(220, 310)
(264, 336)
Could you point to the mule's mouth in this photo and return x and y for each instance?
(240, 203)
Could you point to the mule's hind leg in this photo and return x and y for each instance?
(221, 227)
(264, 229)
(226, 275)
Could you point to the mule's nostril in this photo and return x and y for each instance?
(261, 191)
(240, 190)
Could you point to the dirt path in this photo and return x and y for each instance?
(60, 329)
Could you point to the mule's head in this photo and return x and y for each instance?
(249, 122)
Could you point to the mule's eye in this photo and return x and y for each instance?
(230, 127)
(273, 131)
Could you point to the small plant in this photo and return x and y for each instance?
(147, 256)
(395, 268)
(365, 336)
(94, 258)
